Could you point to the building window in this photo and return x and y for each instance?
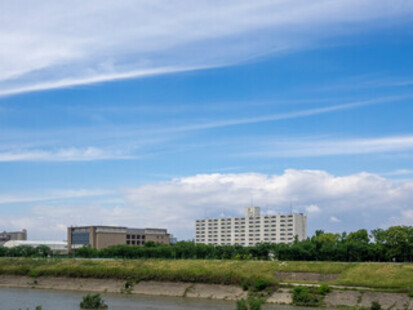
(127, 236)
(128, 242)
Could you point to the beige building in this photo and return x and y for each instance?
(252, 229)
(100, 237)
(16, 235)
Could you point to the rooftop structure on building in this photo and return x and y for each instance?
(15, 235)
(100, 237)
(252, 229)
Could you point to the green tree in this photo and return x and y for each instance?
(43, 251)
(397, 243)
(86, 252)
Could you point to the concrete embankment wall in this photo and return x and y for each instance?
(197, 290)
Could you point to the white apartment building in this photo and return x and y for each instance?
(251, 229)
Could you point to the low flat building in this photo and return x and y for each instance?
(15, 235)
(55, 246)
(99, 237)
(252, 229)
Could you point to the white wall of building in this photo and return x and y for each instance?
(53, 245)
(251, 229)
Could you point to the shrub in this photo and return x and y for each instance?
(375, 305)
(324, 289)
(128, 287)
(128, 284)
(241, 304)
(255, 303)
(93, 301)
(245, 285)
(303, 297)
(410, 294)
(260, 285)
(249, 304)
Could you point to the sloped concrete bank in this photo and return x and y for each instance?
(196, 290)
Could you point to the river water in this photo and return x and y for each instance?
(19, 298)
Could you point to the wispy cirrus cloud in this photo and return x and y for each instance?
(286, 115)
(64, 154)
(20, 146)
(52, 194)
(71, 82)
(73, 43)
(315, 146)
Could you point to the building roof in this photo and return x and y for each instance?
(53, 245)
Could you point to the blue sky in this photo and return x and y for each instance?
(151, 115)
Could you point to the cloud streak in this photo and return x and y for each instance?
(52, 195)
(287, 115)
(76, 43)
(314, 147)
(66, 154)
(71, 82)
(21, 146)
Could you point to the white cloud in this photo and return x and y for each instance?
(333, 219)
(312, 209)
(69, 154)
(398, 172)
(404, 218)
(362, 200)
(74, 42)
(177, 203)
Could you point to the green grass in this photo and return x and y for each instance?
(384, 276)
(379, 275)
(316, 267)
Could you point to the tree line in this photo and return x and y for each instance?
(381, 245)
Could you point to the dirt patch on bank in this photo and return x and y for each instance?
(225, 292)
(160, 288)
(66, 284)
(306, 276)
(353, 298)
(387, 300)
(282, 296)
(340, 298)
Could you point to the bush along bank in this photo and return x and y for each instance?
(307, 296)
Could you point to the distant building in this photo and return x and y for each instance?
(100, 237)
(17, 235)
(251, 229)
(55, 246)
(172, 239)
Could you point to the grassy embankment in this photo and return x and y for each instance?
(385, 276)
